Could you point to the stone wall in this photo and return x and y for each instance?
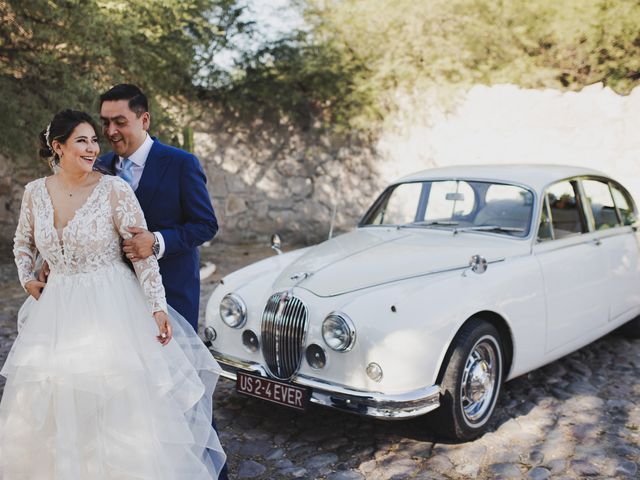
(12, 181)
(276, 179)
(262, 180)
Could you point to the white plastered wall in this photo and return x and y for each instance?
(594, 127)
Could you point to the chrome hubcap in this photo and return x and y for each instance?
(479, 379)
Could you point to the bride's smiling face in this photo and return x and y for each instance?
(79, 152)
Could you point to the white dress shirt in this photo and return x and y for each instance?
(139, 159)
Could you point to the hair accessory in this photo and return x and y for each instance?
(47, 134)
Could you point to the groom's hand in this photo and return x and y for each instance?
(43, 274)
(34, 288)
(140, 246)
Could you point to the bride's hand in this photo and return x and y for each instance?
(34, 287)
(164, 327)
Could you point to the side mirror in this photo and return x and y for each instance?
(478, 264)
(276, 243)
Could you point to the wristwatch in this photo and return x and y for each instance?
(156, 246)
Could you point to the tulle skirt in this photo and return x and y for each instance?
(91, 394)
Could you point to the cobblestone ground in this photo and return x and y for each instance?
(576, 418)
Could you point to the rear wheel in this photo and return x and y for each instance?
(472, 381)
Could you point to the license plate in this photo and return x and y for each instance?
(272, 390)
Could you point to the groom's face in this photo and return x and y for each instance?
(124, 128)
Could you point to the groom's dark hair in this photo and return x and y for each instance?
(138, 102)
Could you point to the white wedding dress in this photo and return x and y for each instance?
(90, 393)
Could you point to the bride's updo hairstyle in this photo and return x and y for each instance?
(60, 129)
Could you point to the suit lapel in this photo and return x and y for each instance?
(106, 164)
(154, 169)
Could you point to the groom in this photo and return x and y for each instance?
(171, 188)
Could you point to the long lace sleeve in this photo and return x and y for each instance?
(24, 247)
(127, 213)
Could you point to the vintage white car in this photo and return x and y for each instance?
(454, 281)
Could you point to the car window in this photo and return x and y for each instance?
(566, 219)
(450, 199)
(497, 192)
(401, 206)
(545, 232)
(624, 204)
(460, 205)
(506, 206)
(600, 201)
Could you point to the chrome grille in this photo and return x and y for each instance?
(284, 327)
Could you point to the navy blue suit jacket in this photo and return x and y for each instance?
(174, 198)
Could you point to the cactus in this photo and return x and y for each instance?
(187, 139)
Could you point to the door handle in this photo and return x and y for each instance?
(597, 242)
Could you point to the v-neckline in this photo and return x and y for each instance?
(60, 234)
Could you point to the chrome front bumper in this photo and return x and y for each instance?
(373, 404)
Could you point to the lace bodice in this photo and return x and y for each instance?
(91, 239)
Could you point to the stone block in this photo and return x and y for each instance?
(235, 183)
(272, 184)
(235, 205)
(299, 186)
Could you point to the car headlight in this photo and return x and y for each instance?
(233, 311)
(338, 332)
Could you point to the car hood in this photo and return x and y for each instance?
(373, 256)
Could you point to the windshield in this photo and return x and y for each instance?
(457, 205)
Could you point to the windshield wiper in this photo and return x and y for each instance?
(429, 223)
(489, 228)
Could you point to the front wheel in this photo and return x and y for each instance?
(472, 381)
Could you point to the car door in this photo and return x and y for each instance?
(612, 216)
(573, 267)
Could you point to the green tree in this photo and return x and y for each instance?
(344, 71)
(407, 45)
(307, 83)
(62, 54)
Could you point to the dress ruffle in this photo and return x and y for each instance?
(91, 394)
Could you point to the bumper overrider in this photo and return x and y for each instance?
(373, 404)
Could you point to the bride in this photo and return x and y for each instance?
(104, 381)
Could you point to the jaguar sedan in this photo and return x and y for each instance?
(454, 281)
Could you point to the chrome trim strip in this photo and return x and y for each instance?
(401, 279)
(373, 404)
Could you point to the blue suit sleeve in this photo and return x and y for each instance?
(199, 220)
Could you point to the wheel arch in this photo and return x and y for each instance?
(506, 335)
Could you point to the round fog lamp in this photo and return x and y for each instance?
(338, 332)
(374, 372)
(210, 334)
(316, 358)
(250, 341)
(233, 311)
